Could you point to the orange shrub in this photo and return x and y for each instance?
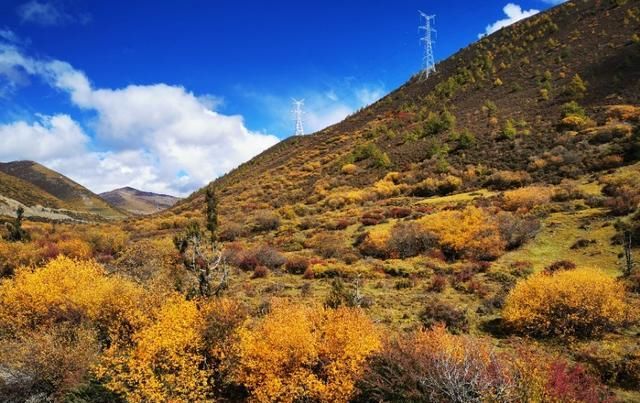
(472, 232)
(69, 290)
(75, 248)
(349, 169)
(375, 243)
(502, 180)
(527, 197)
(166, 361)
(305, 353)
(580, 302)
(16, 254)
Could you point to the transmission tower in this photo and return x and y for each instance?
(297, 111)
(428, 61)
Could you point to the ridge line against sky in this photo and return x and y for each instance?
(173, 125)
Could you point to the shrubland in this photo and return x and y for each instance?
(433, 247)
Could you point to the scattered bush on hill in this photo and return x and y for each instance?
(574, 303)
(503, 180)
(471, 232)
(409, 239)
(437, 311)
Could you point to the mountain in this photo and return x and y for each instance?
(49, 194)
(138, 202)
(540, 99)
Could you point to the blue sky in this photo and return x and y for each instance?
(166, 95)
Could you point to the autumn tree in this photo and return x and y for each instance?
(212, 212)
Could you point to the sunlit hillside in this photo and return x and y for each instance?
(473, 236)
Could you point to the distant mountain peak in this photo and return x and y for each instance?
(138, 201)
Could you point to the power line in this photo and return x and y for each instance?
(428, 60)
(297, 111)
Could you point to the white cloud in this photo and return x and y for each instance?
(43, 13)
(514, 14)
(367, 96)
(157, 137)
(48, 138)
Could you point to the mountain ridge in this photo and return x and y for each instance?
(33, 184)
(137, 201)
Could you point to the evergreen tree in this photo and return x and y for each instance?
(212, 212)
(16, 232)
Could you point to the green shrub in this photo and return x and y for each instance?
(373, 153)
(439, 123)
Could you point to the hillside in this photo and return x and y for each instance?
(32, 185)
(496, 105)
(470, 237)
(138, 202)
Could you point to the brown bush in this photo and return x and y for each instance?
(269, 257)
(260, 272)
(503, 180)
(296, 265)
(399, 212)
(559, 266)
(329, 245)
(436, 311)
(230, 232)
(340, 224)
(266, 220)
(516, 231)
(247, 261)
(372, 218)
(308, 274)
(410, 239)
(438, 283)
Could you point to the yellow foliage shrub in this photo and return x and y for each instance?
(305, 353)
(349, 169)
(16, 254)
(75, 248)
(527, 197)
(71, 290)
(471, 231)
(386, 188)
(624, 112)
(376, 242)
(576, 122)
(107, 240)
(581, 302)
(166, 362)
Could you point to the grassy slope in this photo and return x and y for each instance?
(300, 176)
(560, 42)
(27, 193)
